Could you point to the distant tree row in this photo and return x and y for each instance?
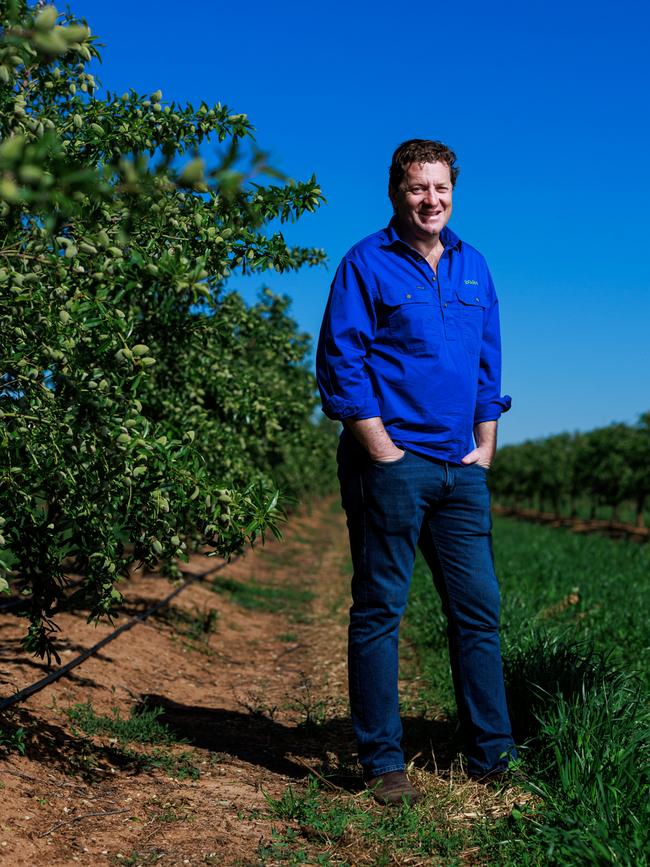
(608, 466)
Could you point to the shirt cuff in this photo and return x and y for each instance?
(338, 408)
(491, 410)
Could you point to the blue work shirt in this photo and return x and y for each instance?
(421, 352)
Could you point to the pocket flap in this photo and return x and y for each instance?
(397, 295)
(472, 296)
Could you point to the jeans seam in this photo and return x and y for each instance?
(465, 709)
(364, 567)
(444, 574)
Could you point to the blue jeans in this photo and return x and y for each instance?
(445, 510)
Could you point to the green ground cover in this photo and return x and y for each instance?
(260, 596)
(575, 610)
(576, 657)
(142, 727)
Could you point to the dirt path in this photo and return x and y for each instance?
(253, 676)
(252, 697)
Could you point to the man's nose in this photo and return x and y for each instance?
(430, 197)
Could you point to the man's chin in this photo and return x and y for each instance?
(429, 229)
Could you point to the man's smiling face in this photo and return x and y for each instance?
(423, 201)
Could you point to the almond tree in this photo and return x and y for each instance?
(144, 408)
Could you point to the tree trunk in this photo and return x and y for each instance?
(640, 517)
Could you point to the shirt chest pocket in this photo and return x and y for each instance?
(411, 317)
(470, 310)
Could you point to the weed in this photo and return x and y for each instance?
(288, 637)
(12, 738)
(167, 812)
(380, 836)
(292, 805)
(177, 766)
(195, 625)
(136, 858)
(280, 851)
(142, 726)
(257, 706)
(312, 710)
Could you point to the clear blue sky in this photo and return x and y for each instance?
(546, 105)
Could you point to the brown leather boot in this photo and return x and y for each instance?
(393, 789)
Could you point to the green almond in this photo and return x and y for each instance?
(46, 19)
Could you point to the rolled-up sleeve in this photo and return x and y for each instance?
(490, 403)
(346, 336)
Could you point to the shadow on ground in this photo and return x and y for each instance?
(329, 747)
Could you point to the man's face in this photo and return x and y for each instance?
(423, 200)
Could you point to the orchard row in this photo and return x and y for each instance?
(144, 409)
(606, 467)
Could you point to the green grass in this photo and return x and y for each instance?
(540, 568)
(329, 822)
(258, 596)
(586, 588)
(577, 667)
(141, 727)
(13, 738)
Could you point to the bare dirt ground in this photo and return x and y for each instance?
(260, 698)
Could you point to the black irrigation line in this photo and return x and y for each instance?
(28, 691)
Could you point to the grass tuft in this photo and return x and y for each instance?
(141, 727)
(366, 833)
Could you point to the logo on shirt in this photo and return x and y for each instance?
(471, 282)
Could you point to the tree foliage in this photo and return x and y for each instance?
(145, 410)
(608, 466)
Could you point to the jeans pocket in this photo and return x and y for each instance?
(384, 465)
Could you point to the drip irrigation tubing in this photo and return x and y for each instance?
(53, 676)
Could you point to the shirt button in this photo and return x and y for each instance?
(408, 295)
(445, 303)
(476, 299)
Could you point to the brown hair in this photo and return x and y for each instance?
(419, 150)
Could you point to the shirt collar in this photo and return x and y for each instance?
(449, 239)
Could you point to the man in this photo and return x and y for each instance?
(409, 359)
